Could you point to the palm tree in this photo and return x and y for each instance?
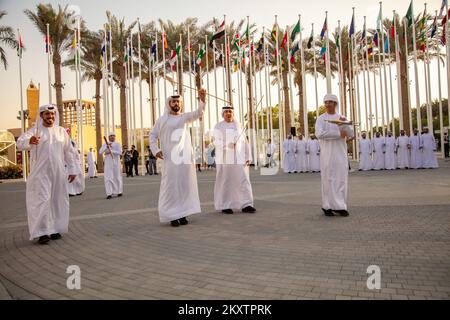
(60, 38)
(309, 69)
(91, 65)
(119, 34)
(8, 39)
(433, 45)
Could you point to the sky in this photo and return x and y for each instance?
(261, 12)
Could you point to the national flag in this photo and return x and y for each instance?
(375, 38)
(273, 34)
(74, 50)
(386, 45)
(363, 33)
(235, 65)
(434, 27)
(379, 21)
(393, 27)
(153, 51)
(20, 47)
(352, 27)
(409, 14)
(295, 31)
(324, 29)
(237, 42)
(422, 28)
(200, 55)
(443, 5)
(284, 41)
(293, 52)
(47, 44)
(338, 39)
(125, 56)
(220, 32)
(310, 40)
(246, 36)
(323, 51)
(260, 44)
(173, 60)
(164, 41)
(370, 49)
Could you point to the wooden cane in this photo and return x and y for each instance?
(211, 95)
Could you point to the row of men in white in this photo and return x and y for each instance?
(379, 153)
(47, 196)
(301, 155)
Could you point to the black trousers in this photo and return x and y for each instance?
(129, 168)
(135, 165)
(446, 150)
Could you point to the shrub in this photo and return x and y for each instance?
(11, 172)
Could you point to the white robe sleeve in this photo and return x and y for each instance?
(116, 149)
(23, 143)
(194, 115)
(321, 131)
(102, 149)
(154, 135)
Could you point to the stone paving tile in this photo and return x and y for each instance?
(287, 250)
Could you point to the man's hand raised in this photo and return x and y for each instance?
(202, 94)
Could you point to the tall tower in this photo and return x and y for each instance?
(32, 103)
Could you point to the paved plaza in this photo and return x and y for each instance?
(399, 221)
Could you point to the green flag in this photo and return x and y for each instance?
(409, 15)
(295, 31)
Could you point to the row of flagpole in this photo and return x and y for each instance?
(359, 71)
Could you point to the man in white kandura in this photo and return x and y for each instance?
(365, 153)
(378, 148)
(390, 160)
(301, 155)
(232, 189)
(314, 154)
(92, 163)
(429, 160)
(178, 194)
(402, 145)
(76, 188)
(112, 168)
(415, 149)
(333, 157)
(270, 153)
(47, 196)
(289, 155)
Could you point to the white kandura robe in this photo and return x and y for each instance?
(269, 153)
(289, 156)
(403, 152)
(429, 146)
(365, 154)
(47, 197)
(301, 156)
(232, 189)
(390, 160)
(113, 169)
(415, 150)
(178, 193)
(92, 164)
(314, 154)
(333, 162)
(378, 148)
(78, 185)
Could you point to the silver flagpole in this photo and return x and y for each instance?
(140, 103)
(111, 70)
(416, 71)
(381, 89)
(22, 118)
(305, 102)
(215, 81)
(327, 61)
(397, 66)
(49, 66)
(388, 116)
(427, 72)
(315, 71)
(207, 84)
(291, 94)
(190, 70)
(441, 120)
(370, 116)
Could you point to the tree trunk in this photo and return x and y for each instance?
(123, 108)
(58, 87)
(151, 89)
(250, 98)
(98, 126)
(287, 103)
(404, 85)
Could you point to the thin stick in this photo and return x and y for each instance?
(184, 85)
